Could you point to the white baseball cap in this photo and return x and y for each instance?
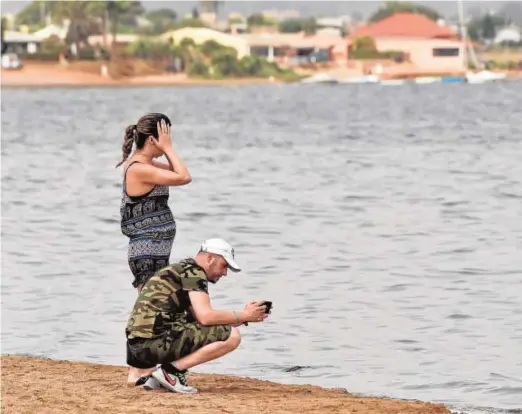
(223, 248)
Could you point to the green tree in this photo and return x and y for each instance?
(162, 20)
(81, 17)
(117, 9)
(210, 48)
(392, 7)
(309, 26)
(363, 43)
(258, 19)
(198, 68)
(190, 22)
(488, 27)
(150, 49)
(188, 50)
(485, 27)
(252, 65)
(226, 65)
(34, 13)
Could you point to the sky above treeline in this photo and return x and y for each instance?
(447, 8)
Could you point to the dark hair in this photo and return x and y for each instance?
(137, 134)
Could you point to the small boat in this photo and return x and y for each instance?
(423, 80)
(361, 79)
(484, 76)
(320, 78)
(453, 79)
(392, 82)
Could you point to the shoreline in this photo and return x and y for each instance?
(55, 75)
(36, 384)
(84, 75)
(129, 83)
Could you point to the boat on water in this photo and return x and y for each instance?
(453, 79)
(320, 78)
(484, 76)
(425, 80)
(361, 79)
(481, 75)
(392, 82)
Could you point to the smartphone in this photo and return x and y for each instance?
(268, 306)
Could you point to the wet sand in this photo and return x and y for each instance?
(38, 385)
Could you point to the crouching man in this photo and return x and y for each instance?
(174, 325)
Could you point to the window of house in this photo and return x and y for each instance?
(259, 50)
(445, 51)
(279, 51)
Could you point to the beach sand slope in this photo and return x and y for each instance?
(38, 385)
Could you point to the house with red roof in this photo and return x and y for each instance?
(429, 46)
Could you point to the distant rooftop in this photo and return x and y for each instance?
(299, 40)
(20, 37)
(405, 25)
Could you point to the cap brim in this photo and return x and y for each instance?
(232, 265)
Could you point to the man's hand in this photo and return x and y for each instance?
(254, 312)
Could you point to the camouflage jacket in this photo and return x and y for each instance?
(163, 303)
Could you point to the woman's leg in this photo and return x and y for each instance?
(146, 256)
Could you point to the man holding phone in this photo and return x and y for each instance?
(174, 325)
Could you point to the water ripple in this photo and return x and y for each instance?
(384, 226)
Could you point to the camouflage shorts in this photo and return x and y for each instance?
(173, 345)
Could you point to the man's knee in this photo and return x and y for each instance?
(234, 339)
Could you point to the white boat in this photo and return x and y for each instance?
(484, 76)
(423, 80)
(320, 78)
(393, 82)
(361, 79)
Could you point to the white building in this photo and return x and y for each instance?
(18, 42)
(53, 30)
(201, 34)
(510, 34)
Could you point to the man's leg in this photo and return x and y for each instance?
(135, 374)
(140, 368)
(197, 345)
(210, 352)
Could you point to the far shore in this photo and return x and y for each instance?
(43, 74)
(33, 384)
(36, 74)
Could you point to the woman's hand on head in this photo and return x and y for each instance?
(163, 143)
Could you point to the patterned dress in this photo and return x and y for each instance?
(148, 222)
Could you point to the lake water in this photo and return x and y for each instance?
(383, 222)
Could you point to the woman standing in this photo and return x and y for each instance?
(145, 215)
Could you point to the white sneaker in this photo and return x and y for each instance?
(151, 384)
(173, 381)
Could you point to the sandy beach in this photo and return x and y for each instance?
(38, 385)
(42, 74)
